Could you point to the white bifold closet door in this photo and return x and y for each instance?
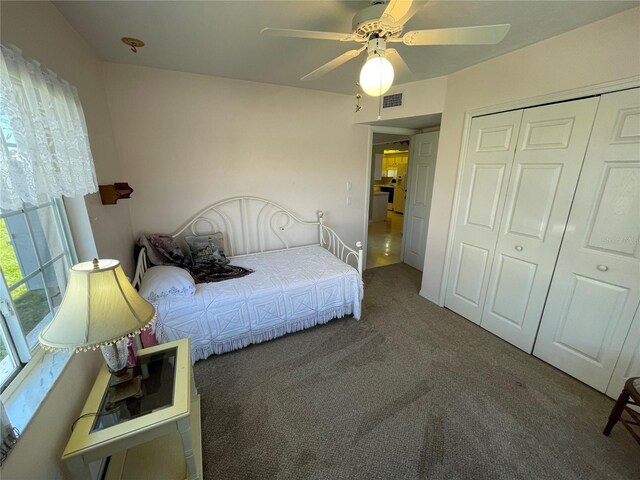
(492, 143)
(596, 286)
(551, 147)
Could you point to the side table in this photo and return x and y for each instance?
(158, 432)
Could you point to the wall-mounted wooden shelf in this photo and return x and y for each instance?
(110, 194)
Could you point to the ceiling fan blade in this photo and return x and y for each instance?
(285, 32)
(482, 35)
(335, 63)
(399, 65)
(398, 12)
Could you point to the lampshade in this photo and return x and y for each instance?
(376, 75)
(99, 307)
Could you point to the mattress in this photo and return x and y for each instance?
(288, 291)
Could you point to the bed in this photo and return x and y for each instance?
(303, 274)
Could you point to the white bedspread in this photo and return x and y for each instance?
(288, 291)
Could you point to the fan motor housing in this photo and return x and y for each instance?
(366, 21)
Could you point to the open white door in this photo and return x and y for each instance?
(419, 188)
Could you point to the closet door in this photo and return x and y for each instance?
(486, 170)
(551, 147)
(596, 286)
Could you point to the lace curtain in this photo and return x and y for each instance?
(45, 147)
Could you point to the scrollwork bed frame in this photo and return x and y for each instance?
(253, 225)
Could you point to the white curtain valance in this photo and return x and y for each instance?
(45, 146)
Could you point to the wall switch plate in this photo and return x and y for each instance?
(348, 200)
(349, 185)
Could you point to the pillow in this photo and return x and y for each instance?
(167, 249)
(152, 253)
(163, 281)
(206, 249)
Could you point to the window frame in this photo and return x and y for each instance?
(11, 328)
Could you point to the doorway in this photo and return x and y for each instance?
(390, 160)
(393, 236)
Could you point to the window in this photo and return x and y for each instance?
(44, 155)
(35, 257)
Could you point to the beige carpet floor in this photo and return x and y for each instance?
(410, 391)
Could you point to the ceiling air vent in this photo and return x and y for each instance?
(391, 101)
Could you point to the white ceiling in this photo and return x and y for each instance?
(223, 38)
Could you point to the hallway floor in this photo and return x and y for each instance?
(385, 241)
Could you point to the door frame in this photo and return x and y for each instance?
(556, 97)
(368, 179)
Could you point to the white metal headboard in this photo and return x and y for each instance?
(255, 225)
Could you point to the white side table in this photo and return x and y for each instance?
(141, 434)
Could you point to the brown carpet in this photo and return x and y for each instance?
(410, 391)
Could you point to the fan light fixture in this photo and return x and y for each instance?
(376, 75)
(381, 22)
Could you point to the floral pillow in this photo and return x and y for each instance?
(164, 281)
(206, 249)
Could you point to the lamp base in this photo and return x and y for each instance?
(123, 387)
(116, 355)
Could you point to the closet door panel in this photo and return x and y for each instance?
(551, 148)
(514, 282)
(536, 186)
(485, 174)
(471, 266)
(596, 286)
(482, 204)
(590, 299)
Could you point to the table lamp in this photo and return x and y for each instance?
(100, 308)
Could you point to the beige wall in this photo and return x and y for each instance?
(37, 454)
(189, 140)
(604, 51)
(419, 98)
(42, 33)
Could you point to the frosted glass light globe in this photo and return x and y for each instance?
(376, 76)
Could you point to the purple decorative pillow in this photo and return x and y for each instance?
(166, 249)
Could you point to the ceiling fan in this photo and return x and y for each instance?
(382, 23)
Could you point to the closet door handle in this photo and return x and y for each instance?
(602, 268)
(519, 248)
